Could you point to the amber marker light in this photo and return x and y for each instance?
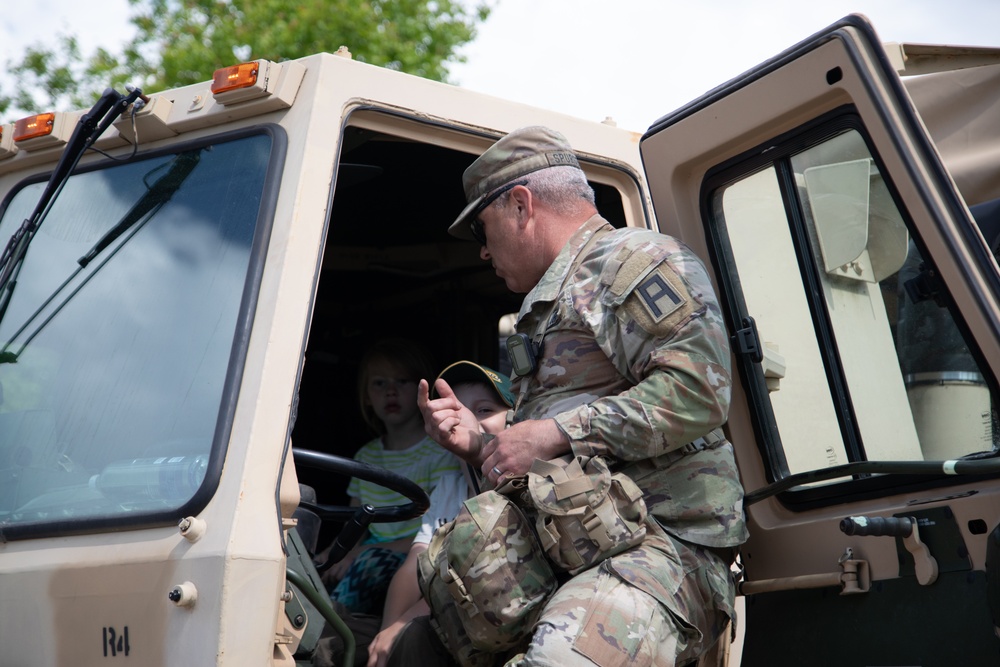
(235, 77)
(33, 127)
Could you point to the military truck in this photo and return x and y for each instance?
(191, 275)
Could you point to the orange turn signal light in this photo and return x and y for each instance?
(232, 78)
(32, 127)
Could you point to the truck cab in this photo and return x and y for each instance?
(180, 335)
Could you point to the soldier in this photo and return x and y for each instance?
(627, 358)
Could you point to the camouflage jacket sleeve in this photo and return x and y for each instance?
(682, 396)
(641, 302)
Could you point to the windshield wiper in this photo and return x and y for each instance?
(157, 194)
(89, 128)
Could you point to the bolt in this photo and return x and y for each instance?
(175, 595)
(299, 620)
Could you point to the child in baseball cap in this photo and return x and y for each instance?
(488, 395)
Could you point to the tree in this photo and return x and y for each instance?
(57, 78)
(183, 41)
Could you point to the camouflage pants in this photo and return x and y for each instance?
(663, 603)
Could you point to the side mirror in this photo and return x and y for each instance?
(860, 232)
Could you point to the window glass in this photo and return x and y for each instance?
(864, 359)
(113, 371)
(775, 297)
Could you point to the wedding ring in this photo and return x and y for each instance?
(497, 471)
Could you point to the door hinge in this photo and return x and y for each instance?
(854, 578)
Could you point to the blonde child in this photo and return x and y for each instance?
(387, 388)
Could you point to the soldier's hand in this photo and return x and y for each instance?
(449, 423)
(512, 452)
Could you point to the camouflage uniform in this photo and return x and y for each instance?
(635, 366)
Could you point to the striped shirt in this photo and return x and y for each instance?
(423, 463)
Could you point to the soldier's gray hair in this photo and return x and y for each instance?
(560, 188)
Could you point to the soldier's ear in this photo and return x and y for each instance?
(524, 204)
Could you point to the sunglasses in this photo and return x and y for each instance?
(476, 225)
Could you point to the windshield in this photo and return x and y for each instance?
(113, 374)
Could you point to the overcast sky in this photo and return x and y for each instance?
(632, 60)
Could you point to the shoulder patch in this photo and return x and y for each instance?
(660, 301)
(658, 296)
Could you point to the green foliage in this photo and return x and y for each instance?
(60, 78)
(179, 42)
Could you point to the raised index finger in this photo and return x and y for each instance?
(423, 391)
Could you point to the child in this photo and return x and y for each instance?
(387, 389)
(488, 396)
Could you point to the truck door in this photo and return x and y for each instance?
(864, 306)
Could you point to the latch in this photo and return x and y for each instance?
(925, 565)
(853, 578)
(746, 341)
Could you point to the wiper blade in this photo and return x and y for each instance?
(89, 128)
(158, 194)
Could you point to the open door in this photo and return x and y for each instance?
(864, 306)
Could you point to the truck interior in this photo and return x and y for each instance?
(390, 268)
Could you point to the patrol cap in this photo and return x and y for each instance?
(461, 372)
(517, 154)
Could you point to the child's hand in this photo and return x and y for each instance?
(339, 569)
(449, 423)
(378, 649)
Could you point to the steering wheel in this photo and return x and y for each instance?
(358, 518)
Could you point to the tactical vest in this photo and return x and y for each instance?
(488, 574)
(485, 578)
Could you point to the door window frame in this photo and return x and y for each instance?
(776, 153)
